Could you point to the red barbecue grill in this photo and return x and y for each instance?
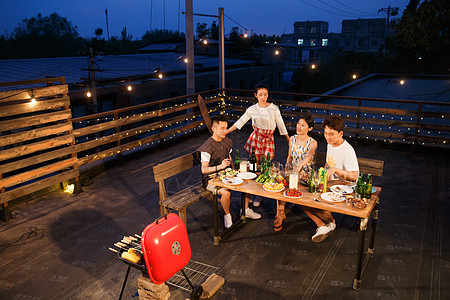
(166, 250)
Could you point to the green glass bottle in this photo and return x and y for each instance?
(263, 164)
(368, 192)
(311, 182)
(237, 160)
(268, 161)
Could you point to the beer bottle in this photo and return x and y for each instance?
(368, 192)
(253, 161)
(263, 164)
(311, 182)
(358, 187)
(237, 160)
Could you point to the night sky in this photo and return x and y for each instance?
(259, 16)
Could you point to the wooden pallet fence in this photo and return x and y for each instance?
(37, 146)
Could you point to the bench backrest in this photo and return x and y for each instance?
(175, 166)
(366, 165)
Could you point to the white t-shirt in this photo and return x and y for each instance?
(263, 117)
(342, 157)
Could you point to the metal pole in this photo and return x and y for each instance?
(221, 52)
(190, 75)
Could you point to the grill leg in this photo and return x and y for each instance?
(124, 282)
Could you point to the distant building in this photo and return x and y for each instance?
(305, 46)
(311, 33)
(363, 35)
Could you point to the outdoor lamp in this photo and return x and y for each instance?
(88, 94)
(354, 76)
(186, 60)
(277, 52)
(129, 88)
(313, 66)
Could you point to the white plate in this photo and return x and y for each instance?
(233, 181)
(246, 175)
(273, 191)
(341, 189)
(284, 194)
(333, 197)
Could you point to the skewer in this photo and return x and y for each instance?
(134, 244)
(119, 245)
(113, 250)
(138, 236)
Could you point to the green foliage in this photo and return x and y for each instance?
(202, 30)
(159, 35)
(39, 36)
(423, 32)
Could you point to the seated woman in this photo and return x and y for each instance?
(302, 148)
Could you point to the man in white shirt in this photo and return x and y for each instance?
(341, 162)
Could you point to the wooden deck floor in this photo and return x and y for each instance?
(57, 245)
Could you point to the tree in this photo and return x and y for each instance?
(125, 36)
(234, 34)
(98, 32)
(202, 31)
(159, 35)
(423, 37)
(40, 36)
(214, 31)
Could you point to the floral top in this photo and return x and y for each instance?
(298, 152)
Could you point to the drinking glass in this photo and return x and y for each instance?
(243, 166)
(316, 182)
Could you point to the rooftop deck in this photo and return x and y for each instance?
(67, 256)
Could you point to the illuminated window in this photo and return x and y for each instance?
(300, 42)
(312, 42)
(324, 42)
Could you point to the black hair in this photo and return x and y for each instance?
(261, 85)
(219, 118)
(334, 122)
(307, 116)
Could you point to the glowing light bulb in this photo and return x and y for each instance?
(205, 42)
(354, 76)
(129, 88)
(186, 60)
(277, 52)
(160, 75)
(402, 82)
(313, 66)
(89, 94)
(245, 35)
(33, 100)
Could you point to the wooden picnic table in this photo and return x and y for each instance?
(251, 187)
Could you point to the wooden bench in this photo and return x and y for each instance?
(182, 199)
(366, 165)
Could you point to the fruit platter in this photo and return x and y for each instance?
(273, 186)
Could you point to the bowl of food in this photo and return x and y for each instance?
(227, 173)
(358, 203)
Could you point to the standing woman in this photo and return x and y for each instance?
(265, 117)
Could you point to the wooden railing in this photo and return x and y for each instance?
(109, 133)
(40, 143)
(426, 123)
